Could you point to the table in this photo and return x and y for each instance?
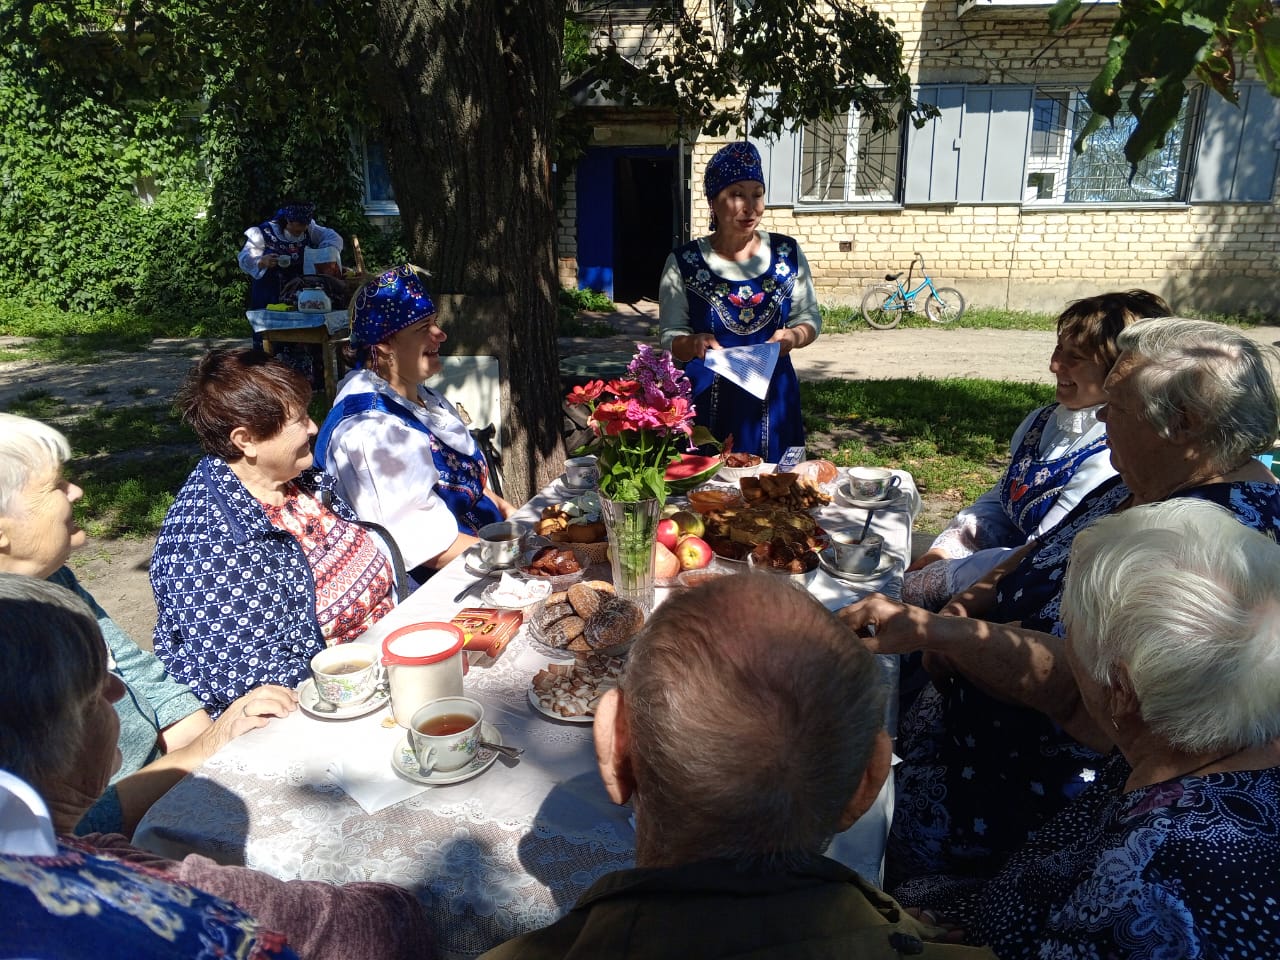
(329, 330)
(492, 857)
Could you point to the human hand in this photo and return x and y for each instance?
(942, 930)
(788, 339)
(898, 627)
(700, 343)
(249, 712)
(267, 261)
(925, 559)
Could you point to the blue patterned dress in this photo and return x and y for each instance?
(1178, 870)
(979, 776)
(742, 313)
(77, 904)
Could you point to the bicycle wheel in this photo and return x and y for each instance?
(944, 305)
(882, 307)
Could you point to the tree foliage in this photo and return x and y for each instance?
(141, 139)
(757, 65)
(1156, 47)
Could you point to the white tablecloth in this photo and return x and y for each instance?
(506, 852)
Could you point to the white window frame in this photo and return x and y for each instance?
(373, 207)
(849, 195)
(1055, 165)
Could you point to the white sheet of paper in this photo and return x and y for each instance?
(749, 367)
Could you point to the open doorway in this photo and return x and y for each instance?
(645, 223)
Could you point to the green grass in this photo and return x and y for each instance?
(76, 337)
(952, 435)
(130, 462)
(846, 319)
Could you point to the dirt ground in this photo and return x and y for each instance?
(115, 571)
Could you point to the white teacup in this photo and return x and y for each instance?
(445, 733)
(283, 260)
(582, 472)
(871, 483)
(852, 555)
(500, 543)
(346, 674)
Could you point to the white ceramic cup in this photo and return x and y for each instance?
(871, 483)
(500, 543)
(856, 556)
(456, 737)
(582, 472)
(283, 260)
(346, 674)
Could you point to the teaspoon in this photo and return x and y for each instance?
(511, 752)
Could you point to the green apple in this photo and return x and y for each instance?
(690, 523)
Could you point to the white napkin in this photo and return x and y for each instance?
(749, 367)
(363, 767)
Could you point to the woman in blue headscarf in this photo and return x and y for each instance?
(740, 286)
(273, 251)
(400, 452)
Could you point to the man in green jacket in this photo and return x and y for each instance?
(747, 732)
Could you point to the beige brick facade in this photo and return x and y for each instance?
(1210, 256)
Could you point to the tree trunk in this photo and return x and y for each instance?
(466, 90)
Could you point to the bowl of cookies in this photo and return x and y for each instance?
(739, 465)
(585, 620)
(558, 565)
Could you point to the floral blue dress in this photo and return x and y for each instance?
(742, 313)
(78, 905)
(1031, 485)
(979, 776)
(1173, 871)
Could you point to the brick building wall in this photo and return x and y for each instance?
(1223, 257)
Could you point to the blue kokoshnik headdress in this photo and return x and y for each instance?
(731, 164)
(297, 212)
(387, 304)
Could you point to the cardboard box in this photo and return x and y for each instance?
(487, 630)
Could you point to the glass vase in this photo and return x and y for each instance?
(632, 526)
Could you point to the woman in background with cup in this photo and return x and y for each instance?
(273, 250)
(400, 452)
(1059, 453)
(259, 565)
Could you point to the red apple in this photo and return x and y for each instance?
(690, 523)
(694, 553)
(667, 565)
(668, 533)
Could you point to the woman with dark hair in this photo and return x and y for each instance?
(258, 564)
(401, 454)
(1059, 453)
(273, 250)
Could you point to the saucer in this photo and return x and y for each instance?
(405, 762)
(827, 561)
(575, 487)
(888, 500)
(476, 568)
(309, 701)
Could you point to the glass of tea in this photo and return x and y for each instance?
(445, 733)
(347, 673)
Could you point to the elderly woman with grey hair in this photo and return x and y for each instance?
(1172, 614)
(65, 896)
(1001, 741)
(164, 731)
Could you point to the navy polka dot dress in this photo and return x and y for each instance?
(1179, 870)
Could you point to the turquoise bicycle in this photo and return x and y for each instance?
(884, 304)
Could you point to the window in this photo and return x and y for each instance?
(843, 161)
(1057, 174)
(378, 197)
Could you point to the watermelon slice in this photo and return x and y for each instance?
(690, 471)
